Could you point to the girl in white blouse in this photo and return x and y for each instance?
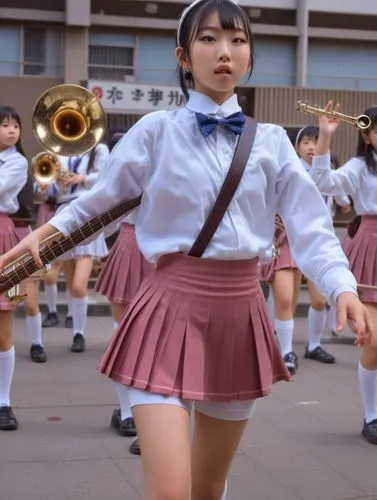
(78, 263)
(13, 176)
(197, 334)
(358, 178)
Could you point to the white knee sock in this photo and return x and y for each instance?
(79, 314)
(51, 292)
(6, 375)
(34, 327)
(332, 319)
(223, 496)
(316, 325)
(125, 408)
(368, 389)
(284, 333)
(69, 308)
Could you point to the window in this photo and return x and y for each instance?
(31, 50)
(34, 51)
(110, 63)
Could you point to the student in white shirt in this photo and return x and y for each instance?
(357, 178)
(119, 280)
(78, 263)
(13, 176)
(198, 329)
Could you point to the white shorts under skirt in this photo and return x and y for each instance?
(222, 410)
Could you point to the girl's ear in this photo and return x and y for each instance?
(181, 58)
(365, 137)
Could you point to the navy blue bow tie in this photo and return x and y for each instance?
(207, 124)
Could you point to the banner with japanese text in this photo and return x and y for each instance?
(123, 98)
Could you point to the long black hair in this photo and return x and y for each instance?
(365, 150)
(7, 112)
(231, 17)
(114, 135)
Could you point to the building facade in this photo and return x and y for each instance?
(124, 51)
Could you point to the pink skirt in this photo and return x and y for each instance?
(124, 270)
(45, 213)
(361, 252)
(282, 261)
(22, 232)
(7, 241)
(197, 329)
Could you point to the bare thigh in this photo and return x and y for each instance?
(214, 445)
(164, 436)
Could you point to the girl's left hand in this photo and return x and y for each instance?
(351, 310)
(73, 179)
(328, 124)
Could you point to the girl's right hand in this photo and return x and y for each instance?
(30, 244)
(328, 124)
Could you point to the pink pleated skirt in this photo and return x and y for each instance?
(22, 232)
(45, 213)
(197, 329)
(361, 252)
(282, 261)
(124, 270)
(7, 241)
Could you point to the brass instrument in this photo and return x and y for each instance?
(362, 122)
(46, 168)
(279, 226)
(67, 120)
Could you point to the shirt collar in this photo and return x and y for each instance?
(306, 165)
(200, 103)
(4, 155)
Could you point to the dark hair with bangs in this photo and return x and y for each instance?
(231, 17)
(365, 150)
(114, 135)
(7, 112)
(308, 131)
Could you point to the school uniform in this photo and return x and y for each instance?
(125, 267)
(96, 247)
(13, 176)
(47, 208)
(360, 247)
(198, 328)
(354, 179)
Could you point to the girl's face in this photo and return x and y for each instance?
(218, 59)
(371, 138)
(306, 148)
(9, 133)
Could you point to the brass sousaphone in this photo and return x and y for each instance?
(67, 120)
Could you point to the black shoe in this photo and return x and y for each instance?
(369, 431)
(291, 362)
(319, 354)
(134, 449)
(126, 427)
(37, 354)
(78, 344)
(51, 319)
(68, 322)
(8, 421)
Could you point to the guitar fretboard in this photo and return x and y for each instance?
(58, 248)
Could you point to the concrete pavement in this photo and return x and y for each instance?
(302, 443)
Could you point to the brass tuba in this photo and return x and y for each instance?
(67, 120)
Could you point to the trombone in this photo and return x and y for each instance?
(362, 122)
(67, 120)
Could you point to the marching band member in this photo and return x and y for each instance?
(13, 176)
(197, 334)
(357, 178)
